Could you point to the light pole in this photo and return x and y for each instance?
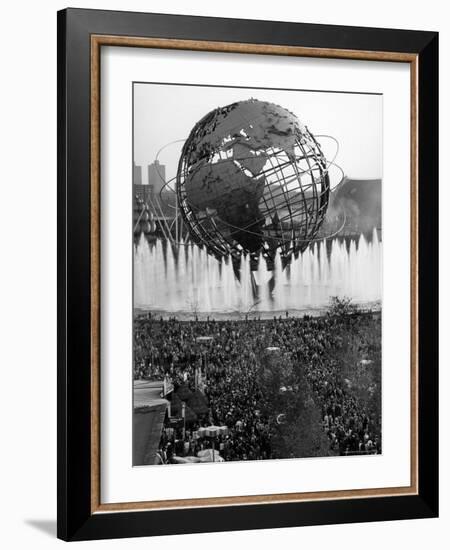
(183, 414)
(204, 340)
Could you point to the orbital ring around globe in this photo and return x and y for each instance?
(252, 179)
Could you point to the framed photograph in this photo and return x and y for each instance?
(247, 253)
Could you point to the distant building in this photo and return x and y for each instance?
(162, 207)
(137, 174)
(360, 202)
(140, 190)
(156, 176)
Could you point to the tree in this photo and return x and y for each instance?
(286, 392)
(341, 307)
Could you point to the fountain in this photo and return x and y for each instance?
(185, 279)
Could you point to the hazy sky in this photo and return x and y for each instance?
(164, 113)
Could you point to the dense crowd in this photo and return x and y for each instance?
(229, 361)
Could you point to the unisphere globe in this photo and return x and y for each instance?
(252, 179)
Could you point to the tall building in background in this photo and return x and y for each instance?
(156, 176)
(143, 191)
(137, 174)
(149, 192)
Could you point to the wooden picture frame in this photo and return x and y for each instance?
(81, 35)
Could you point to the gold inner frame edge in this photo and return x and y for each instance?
(97, 41)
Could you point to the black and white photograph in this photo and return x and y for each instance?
(257, 231)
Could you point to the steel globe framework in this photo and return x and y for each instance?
(252, 179)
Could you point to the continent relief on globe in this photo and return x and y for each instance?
(227, 155)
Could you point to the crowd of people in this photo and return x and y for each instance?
(349, 424)
(229, 360)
